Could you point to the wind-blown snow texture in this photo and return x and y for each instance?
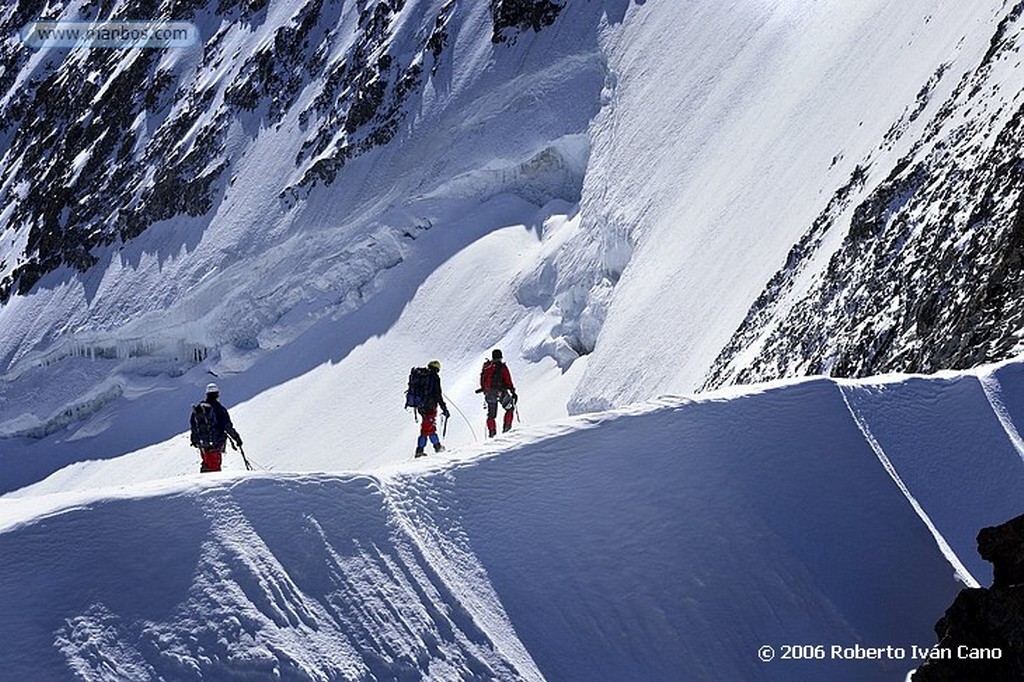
(662, 542)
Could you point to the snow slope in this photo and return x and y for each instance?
(604, 199)
(747, 117)
(660, 542)
(341, 382)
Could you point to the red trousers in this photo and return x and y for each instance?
(428, 422)
(492, 399)
(211, 460)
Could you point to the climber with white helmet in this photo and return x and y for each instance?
(211, 428)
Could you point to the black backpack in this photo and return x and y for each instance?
(204, 426)
(419, 386)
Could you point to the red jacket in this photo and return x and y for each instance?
(495, 377)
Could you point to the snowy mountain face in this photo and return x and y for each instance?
(926, 272)
(167, 210)
(101, 145)
(785, 147)
(630, 198)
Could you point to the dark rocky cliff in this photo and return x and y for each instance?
(98, 145)
(930, 273)
(984, 621)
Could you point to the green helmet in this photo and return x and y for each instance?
(435, 365)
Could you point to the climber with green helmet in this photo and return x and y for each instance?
(433, 397)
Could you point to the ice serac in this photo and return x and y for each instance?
(170, 173)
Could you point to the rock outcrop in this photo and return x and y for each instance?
(99, 145)
(981, 636)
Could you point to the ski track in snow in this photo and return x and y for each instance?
(961, 571)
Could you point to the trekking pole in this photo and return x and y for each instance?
(461, 414)
(245, 459)
(257, 465)
(444, 428)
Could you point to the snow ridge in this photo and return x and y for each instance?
(640, 542)
(272, 590)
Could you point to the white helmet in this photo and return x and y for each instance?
(212, 388)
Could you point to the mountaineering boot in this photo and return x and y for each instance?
(420, 453)
(506, 428)
(438, 448)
